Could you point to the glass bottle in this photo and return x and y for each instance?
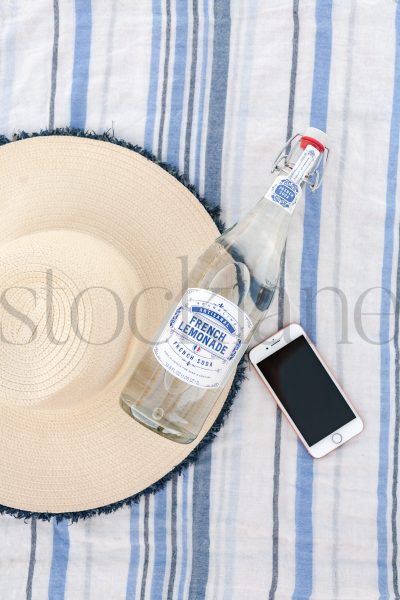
(178, 380)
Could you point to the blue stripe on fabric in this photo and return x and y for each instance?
(216, 116)
(83, 34)
(178, 87)
(184, 516)
(201, 525)
(160, 543)
(59, 560)
(154, 72)
(202, 96)
(309, 278)
(387, 266)
(135, 552)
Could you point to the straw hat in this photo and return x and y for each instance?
(91, 244)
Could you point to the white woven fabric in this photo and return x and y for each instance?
(214, 88)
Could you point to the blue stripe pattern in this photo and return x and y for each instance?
(59, 560)
(83, 34)
(309, 279)
(175, 124)
(160, 544)
(386, 300)
(154, 73)
(202, 83)
(216, 110)
(135, 552)
(201, 525)
(184, 517)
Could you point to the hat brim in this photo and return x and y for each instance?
(93, 455)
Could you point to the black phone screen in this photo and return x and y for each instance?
(306, 390)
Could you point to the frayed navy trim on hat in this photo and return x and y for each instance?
(214, 212)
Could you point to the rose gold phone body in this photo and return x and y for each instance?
(337, 437)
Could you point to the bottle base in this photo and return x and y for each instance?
(159, 425)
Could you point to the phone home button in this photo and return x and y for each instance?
(336, 438)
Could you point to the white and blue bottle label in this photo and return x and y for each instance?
(286, 189)
(285, 192)
(202, 338)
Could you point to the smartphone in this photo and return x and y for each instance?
(299, 380)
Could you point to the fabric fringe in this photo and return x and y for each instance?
(214, 212)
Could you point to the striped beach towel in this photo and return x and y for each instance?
(214, 87)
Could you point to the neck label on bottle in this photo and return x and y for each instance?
(203, 338)
(286, 189)
(285, 192)
(305, 164)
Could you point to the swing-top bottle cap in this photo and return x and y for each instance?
(311, 137)
(314, 137)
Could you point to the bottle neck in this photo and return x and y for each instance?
(305, 164)
(260, 236)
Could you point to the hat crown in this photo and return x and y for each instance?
(64, 303)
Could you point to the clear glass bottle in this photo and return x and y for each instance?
(179, 380)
